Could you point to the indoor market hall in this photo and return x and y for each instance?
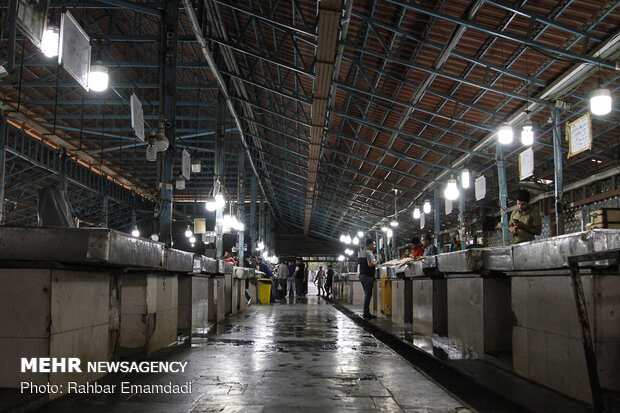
(309, 206)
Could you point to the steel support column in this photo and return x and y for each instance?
(462, 219)
(558, 172)
(64, 183)
(105, 222)
(241, 203)
(261, 221)
(218, 176)
(436, 220)
(167, 106)
(3, 139)
(503, 191)
(253, 196)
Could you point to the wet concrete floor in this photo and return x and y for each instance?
(286, 357)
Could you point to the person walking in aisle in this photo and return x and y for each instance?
(329, 280)
(320, 280)
(282, 276)
(367, 275)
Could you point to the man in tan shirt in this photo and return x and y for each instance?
(524, 221)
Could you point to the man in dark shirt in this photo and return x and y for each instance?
(427, 243)
(299, 274)
(367, 274)
(329, 280)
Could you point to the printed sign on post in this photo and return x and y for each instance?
(526, 164)
(579, 135)
(137, 117)
(185, 164)
(481, 188)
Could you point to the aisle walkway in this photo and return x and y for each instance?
(283, 358)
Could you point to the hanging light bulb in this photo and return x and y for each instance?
(210, 205)
(155, 237)
(504, 134)
(360, 234)
(465, 178)
(393, 223)
(347, 239)
(240, 226)
(342, 238)
(151, 150)
(49, 42)
(427, 206)
(188, 232)
(452, 191)
(389, 233)
(341, 258)
(192, 245)
(192, 240)
(135, 232)
(384, 228)
(600, 100)
(180, 182)
(196, 165)
(219, 201)
(356, 241)
(527, 133)
(98, 78)
(416, 212)
(162, 143)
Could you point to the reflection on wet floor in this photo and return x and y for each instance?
(304, 356)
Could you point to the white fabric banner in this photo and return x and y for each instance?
(422, 220)
(448, 207)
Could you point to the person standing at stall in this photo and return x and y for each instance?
(525, 222)
(300, 273)
(416, 247)
(427, 243)
(282, 276)
(367, 275)
(329, 280)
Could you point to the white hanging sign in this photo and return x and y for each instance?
(137, 117)
(579, 135)
(422, 220)
(186, 160)
(526, 164)
(31, 17)
(74, 50)
(448, 207)
(481, 187)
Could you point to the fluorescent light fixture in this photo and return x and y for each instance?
(600, 101)
(452, 191)
(49, 42)
(465, 178)
(504, 134)
(416, 212)
(135, 232)
(427, 206)
(98, 78)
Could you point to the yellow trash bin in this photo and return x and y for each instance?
(386, 295)
(264, 290)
